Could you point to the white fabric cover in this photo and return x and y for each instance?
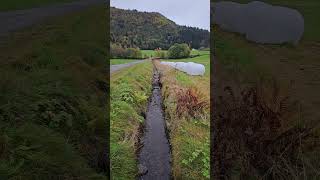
(259, 21)
(190, 68)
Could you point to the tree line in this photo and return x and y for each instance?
(150, 30)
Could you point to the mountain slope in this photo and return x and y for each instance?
(150, 30)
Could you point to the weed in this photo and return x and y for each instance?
(52, 115)
(200, 154)
(190, 104)
(258, 134)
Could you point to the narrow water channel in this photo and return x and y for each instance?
(155, 153)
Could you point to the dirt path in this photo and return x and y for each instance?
(16, 20)
(114, 68)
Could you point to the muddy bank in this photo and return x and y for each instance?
(154, 156)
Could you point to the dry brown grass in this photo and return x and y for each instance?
(258, 134)
(190, 103)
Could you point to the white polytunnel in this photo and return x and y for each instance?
(190, 68)
(260, 22)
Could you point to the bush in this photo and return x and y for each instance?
(179, 51)
(117, 51)
(133, 53)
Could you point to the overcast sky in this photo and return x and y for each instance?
(195, 13)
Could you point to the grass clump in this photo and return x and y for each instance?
(130, 89)
(53, 120)
(259, 135)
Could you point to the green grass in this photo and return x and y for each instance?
(198, 52)
(189, 136)
(149, 53)
(53, 120)
(130, 90)
(120, 61)
(152, 53)
(10, 5)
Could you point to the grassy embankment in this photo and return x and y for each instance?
(11, 5)
(279, 75)
(130, 90)
(186, 100)
(53, 120)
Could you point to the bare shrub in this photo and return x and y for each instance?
(190, 102)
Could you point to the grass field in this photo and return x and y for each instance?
(53, 115)
(293, 70)
(190, 131)
(148, 53)
(130, 90)
(152, 53)
(10, 5)
(198, 52)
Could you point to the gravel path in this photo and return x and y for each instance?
(15, 20)
(114, 68)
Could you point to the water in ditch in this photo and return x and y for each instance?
(154, 156)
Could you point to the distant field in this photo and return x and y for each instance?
(198, 52)
(8, 5)
(148, 53)
(152, 53)
(121, 61)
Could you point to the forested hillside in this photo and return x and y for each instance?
(145, 30)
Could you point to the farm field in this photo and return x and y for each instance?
(148, 53)
(159, 116)
(287, 71)
(152, 53)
